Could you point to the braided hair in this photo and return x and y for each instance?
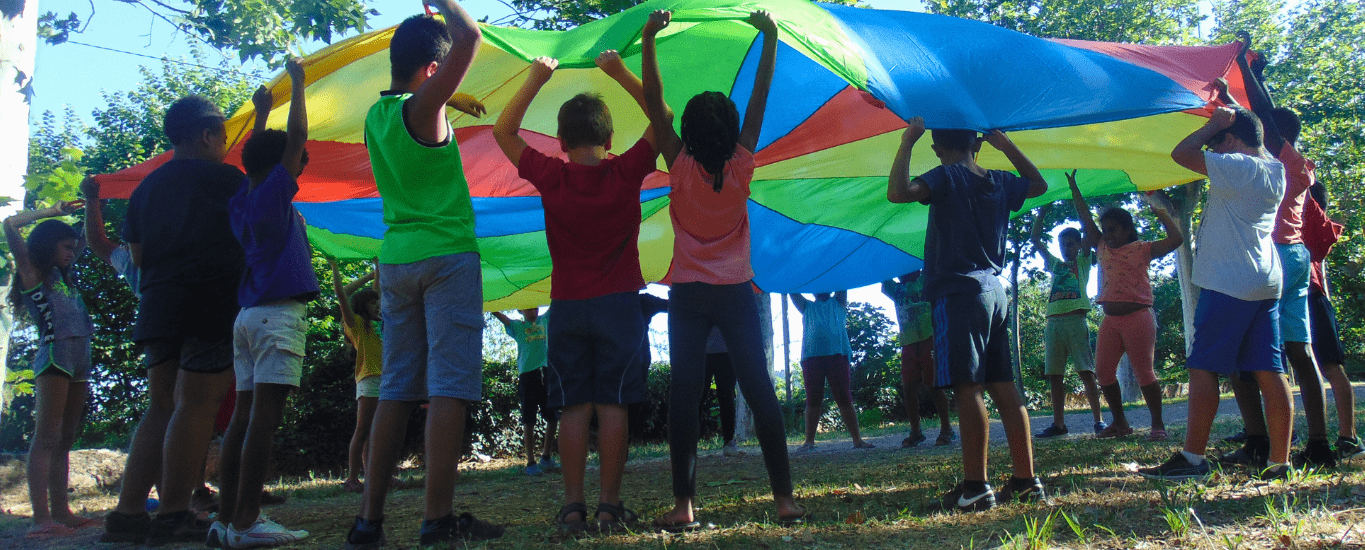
(710, 131)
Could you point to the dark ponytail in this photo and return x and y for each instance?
(710, 132)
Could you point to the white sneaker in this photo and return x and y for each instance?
(217, 537)
(263, 533)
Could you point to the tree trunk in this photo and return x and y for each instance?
(744, 418)
(1183, 212)
(787, 354)
(1128, 383)
(18, 45)
(1015, 348)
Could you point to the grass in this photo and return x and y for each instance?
(867, 499)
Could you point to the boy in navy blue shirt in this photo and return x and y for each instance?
(268, 338)
(969, 211)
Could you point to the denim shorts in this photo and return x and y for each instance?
(268, 343)
(596, 346)
(433, 328)
(1295, 262)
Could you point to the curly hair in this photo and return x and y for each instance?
(710, 131)
(42, 251)
(360, 298)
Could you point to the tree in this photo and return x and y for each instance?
(1137, 21)
(18, 40)
(875, 360)
(559, 15)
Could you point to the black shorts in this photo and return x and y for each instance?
(596, 349)
(534, 394)
(189, 353)
(1322, 316)
(971, 338)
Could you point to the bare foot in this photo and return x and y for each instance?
(353, 485)
(49, 530)
(76, 522)
(864, 445)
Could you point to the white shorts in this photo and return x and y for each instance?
(267, 344)
(367, 387)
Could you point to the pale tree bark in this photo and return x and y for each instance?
(744, 418)
(18, 46)
(1183, 213)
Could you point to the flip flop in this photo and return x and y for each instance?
(50, 530)
(1158, 435)
(673, 527)
(1113, 432)
(802, 519)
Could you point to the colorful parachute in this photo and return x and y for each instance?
(819, 215)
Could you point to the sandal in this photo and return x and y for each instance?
(945, 437)
(621, 517)
(1158, 435)
(666, 526)
(913, 440)
(802, 519)
(1114, 431)
(578, 526)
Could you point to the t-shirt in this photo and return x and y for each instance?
(1069, 282)
(824, 329)
(279, 264)
(369, 347)
(1123, 273)
(122, 260)
(531, 344)
(1236, 256)
(592, 220)
(191, 261)
(1320, 234)
(915, 316)
(964, 246)
(1299, 176)
(426, 198)
(711, 229)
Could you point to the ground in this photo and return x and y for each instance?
(867, 499)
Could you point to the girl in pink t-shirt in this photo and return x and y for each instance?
(710, 166)
(1129, 325)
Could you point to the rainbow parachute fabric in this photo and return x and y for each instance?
(820, 220)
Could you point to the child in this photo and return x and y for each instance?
(429, 256)
(190, 268)
(46, 289)
(1236, 324)
(1129, 325)
(917, 360)
(964, 250)
(1067, 333)
(529, 333)
(720, 370)
(268, 339)
(710, 166)
(116, 254)
(824, 356)
(597, 335)
(359, 314)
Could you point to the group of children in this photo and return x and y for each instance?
(223, 269)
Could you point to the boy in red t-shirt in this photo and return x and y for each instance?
(592, 223)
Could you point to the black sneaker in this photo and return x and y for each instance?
(961, 499)
(1178, 468)
(1278, 471)
(1348, 449)
(126, 527)
(177, 527)
(1254, 453)
(1051, 432)
(1100, 426)
(1318, 452)
(1022, 490)
(365, 534)
(1238, 437)
(464, 527)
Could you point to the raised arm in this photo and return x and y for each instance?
(666, 139)
(758, 100)
(899, 187)
(1174, 237)
(263, 102)
(504, 319)
(297, 133)
(1037, 185)
(610, 62)
(1190, 151)
(1035, 233)
(506, 129)
(426, 110)
(95, 235)
(800, 302)
(1090, 233)
(1261, 104)
(28, 273)
(343, 297)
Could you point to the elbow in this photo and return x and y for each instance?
(1037, 188)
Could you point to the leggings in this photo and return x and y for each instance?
(693, 308)
(1134, 333)
(718, 368)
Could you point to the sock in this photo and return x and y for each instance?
(976, 486)
(1193, 458)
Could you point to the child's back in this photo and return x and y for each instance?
(968, 218)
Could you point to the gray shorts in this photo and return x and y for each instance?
(68, 356)
(433, 329)
(268, 343)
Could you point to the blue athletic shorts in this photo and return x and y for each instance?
(1295, 261)
(1235, 336)
(596, 347)
(971, 338)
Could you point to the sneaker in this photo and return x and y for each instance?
(217, 537)
(177, 527)
(961, 499)
(1052, 431)
(1239, 437)
(534, 470)
(126, 527)
(464, 527)
(1316, 453)
(1348, 449)
(1278, 471)
(365, 534)
(263, 533)
(1100, 426)
(1254, 453)
(548, 465)
(731, 449)
(204, 500)
(1022, 490)
(1178, 468)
